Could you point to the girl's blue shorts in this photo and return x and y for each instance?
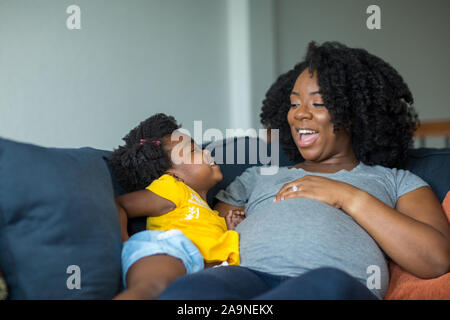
(150, 242)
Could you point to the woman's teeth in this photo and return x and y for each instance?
(306, 131)
(307, 137)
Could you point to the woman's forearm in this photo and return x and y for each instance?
(415, 246)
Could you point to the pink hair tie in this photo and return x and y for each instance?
(155, 142)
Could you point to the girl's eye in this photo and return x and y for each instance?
(318, 105)
(294, 105)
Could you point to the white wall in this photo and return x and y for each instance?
(413, 38)
(188, 58)
(131, 59)
(263, 52)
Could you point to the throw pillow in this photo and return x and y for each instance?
(405, 286)
(59, 229)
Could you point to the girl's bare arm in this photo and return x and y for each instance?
(142, 203)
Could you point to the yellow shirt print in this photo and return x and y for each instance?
(198, 222)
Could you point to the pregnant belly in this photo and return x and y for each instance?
(293, 236)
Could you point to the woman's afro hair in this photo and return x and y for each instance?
(136, 164)
(361, 92)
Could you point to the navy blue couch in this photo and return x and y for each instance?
(59, 230)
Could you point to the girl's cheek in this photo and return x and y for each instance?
(197, 158)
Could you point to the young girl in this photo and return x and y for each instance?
(167, 176)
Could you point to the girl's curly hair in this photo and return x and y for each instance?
(361, 92)
(137, 163)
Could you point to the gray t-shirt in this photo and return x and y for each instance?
(293, 236)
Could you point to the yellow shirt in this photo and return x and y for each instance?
(193, 216)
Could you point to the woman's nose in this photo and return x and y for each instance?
(302, 111)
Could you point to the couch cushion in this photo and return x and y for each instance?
(433, 166)
(57, 211)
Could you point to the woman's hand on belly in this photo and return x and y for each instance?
(334, 193)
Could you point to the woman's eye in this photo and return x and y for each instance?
(318, 105)
(294, 105)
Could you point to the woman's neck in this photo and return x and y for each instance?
(330, 165)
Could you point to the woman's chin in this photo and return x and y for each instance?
(307, 153)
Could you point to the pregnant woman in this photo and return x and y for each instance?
(326, 227)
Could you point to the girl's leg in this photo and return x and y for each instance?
(149, 276)
(320, 284)
(227, 283)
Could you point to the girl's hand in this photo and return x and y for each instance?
(335, 193)
(233, 218)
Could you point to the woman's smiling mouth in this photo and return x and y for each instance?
(306, 137)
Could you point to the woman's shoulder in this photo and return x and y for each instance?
(399, 176)
(252, 171)
(379, 169)
(375, 168)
